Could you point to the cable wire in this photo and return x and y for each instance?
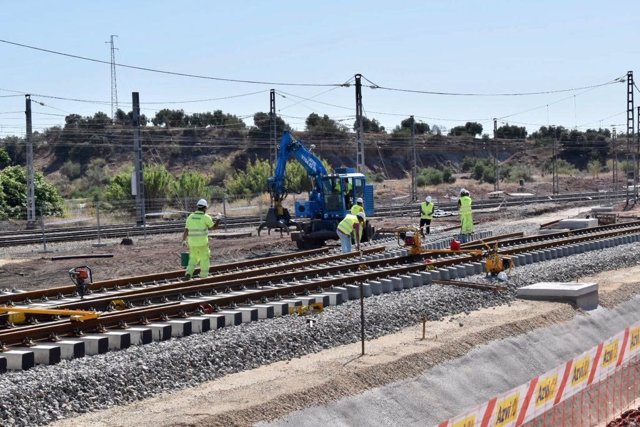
(173, 73)
(546, 92)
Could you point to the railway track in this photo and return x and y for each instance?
(26, 237)
(141, 309)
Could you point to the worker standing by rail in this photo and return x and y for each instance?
(350, 227)
(356, 209)
(196, 236)
(426, 214)
(466, 216)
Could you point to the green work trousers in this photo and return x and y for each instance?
(466, 223)
(198, 255)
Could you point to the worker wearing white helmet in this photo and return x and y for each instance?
(466, 216)
(196, 236)
(426, 214)
(350, 228)
(358, 208)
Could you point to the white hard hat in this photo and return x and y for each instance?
(428, 199)
(462, 191)
(202, 203)
(361, 215)
(359, 200)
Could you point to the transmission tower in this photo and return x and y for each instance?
(630, 130)
(114, 84)
(359, 126)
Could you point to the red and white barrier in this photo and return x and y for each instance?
(543, 393)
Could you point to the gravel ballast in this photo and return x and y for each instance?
(44, 394)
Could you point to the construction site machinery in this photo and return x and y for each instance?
(81, 277)
(495, 263)
(331, 197)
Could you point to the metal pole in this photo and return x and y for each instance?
(359, 126)
(414, 169)
(44, 235)
(139, 173)
(615, 158)
(496, 184)
(362, 316)
(630, 126)
(98, 219)
(273, 151)
(224, 211)
(31, 192)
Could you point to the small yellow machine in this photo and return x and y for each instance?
(495, 263)
(18, 315)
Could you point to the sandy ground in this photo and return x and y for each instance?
(29, 268)
(273, 391)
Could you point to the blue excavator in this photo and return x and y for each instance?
(330, 199)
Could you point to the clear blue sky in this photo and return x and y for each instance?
(448, 46)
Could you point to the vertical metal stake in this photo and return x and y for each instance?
(362, 316)
(224, 211)
(44, 235)
(98, 219)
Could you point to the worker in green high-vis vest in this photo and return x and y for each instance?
(466, 217)
(196, 236)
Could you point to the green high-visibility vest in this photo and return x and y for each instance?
(465, 205)
(346, 225)
(198, 224)
(426, 210)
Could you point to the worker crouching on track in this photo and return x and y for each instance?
(196, 236)
(426, 214)
(349, 228)
(466, 216)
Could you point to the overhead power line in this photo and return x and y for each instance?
(545, 92)
(173, 73)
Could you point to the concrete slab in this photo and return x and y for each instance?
(118, 339)
(249, 314)
(583, 295)
(576, 223)
(199, 324)
(354, 291)
(19, 360)
(140, 335)
(216, 321)
(180, 328)
(279, 308)
(44, 354)
(71, 349)
(232, 317)
(387, 285)
(265, 311)
(94, 344)
(160, 331)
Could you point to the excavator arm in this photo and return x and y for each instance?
(293, 148)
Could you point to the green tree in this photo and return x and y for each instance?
(404, 129)
(261, 129)
(322, 127)
(190, 187)
(470, 128)
(507, 131)
(158, 186)
(369, 126)
(5, 160)
(169, 118)
(13, 181)
(594, 167)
